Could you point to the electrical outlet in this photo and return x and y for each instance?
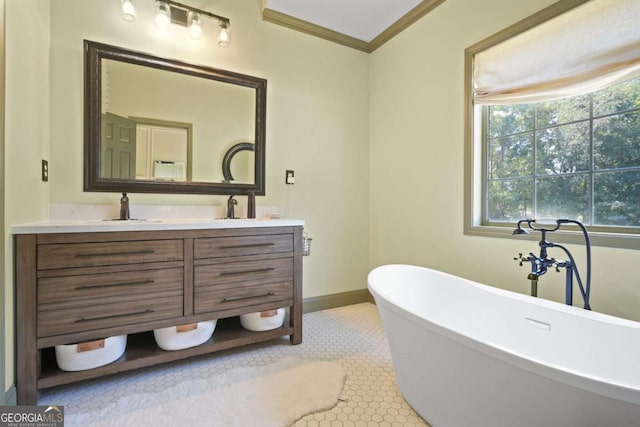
(289, 178)
(45, 171)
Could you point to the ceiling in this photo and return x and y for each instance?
(361, 19)
(360, 24)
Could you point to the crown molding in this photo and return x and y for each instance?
(397, 27)
(403, 23)
(293, 23)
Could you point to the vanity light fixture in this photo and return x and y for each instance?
(171, 12)
(128, 11)
(194, 24)
(225, 36)
(163, 15)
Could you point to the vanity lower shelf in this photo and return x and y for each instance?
(143, 351)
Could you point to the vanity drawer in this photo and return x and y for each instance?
(241, 297)
(248, 272)
(117, 284)
(242, 245)
(90, 315)
(69, 255)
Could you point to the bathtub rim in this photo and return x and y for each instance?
(613, 390)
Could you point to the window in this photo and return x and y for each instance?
(577, 158)
(552, 125)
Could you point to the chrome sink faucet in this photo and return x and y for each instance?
(231, 203)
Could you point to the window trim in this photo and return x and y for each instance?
(473, 149)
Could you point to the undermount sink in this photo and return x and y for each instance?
(134, 220)
(236, 219)
(125, 221)
(140, 221)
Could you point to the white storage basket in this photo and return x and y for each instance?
(263, 320)
(92, 354)
(184, 336)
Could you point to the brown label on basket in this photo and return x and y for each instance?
(89, 345)
(269, 313)
(187, 328)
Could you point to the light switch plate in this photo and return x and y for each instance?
(45, 171)
(289, 177)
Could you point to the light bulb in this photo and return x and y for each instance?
(195, 25)
(128, 11)
(163, 15)
(225, 37)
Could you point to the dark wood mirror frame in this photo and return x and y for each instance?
(93, 54)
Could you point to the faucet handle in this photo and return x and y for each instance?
(520, 258)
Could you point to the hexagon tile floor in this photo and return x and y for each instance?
(351, 336)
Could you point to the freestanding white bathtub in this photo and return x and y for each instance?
(467, 354)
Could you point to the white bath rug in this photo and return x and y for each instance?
(274, 395)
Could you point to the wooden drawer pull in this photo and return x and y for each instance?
(257, 270)
(248, 245)
(113, 316)
(144, 252)
(231, 299)
(140, 282)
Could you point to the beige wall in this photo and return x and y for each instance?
(416, 162)
(27, 132)
(3, 233)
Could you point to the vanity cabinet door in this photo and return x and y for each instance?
(69, 255)
(230, 284)
(217, 247)
(240, 299)
(90, 315)
(249, 272)
(243, 274)
(64, 290)
(85, 286)
(76, 302)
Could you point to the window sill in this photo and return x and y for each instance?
(598, 238)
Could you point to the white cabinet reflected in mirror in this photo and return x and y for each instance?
(163, 152)
(160, 125)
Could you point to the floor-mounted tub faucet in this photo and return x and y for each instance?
(540, 264)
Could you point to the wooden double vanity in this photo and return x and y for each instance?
(87, 281)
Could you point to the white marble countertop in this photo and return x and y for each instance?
(97, 225)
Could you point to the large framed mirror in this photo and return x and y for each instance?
(158, 125)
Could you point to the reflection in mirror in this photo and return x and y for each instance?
(220, 114)
(237, 163)
(164, 150)
(158, 125)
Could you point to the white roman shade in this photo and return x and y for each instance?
(587, 48)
